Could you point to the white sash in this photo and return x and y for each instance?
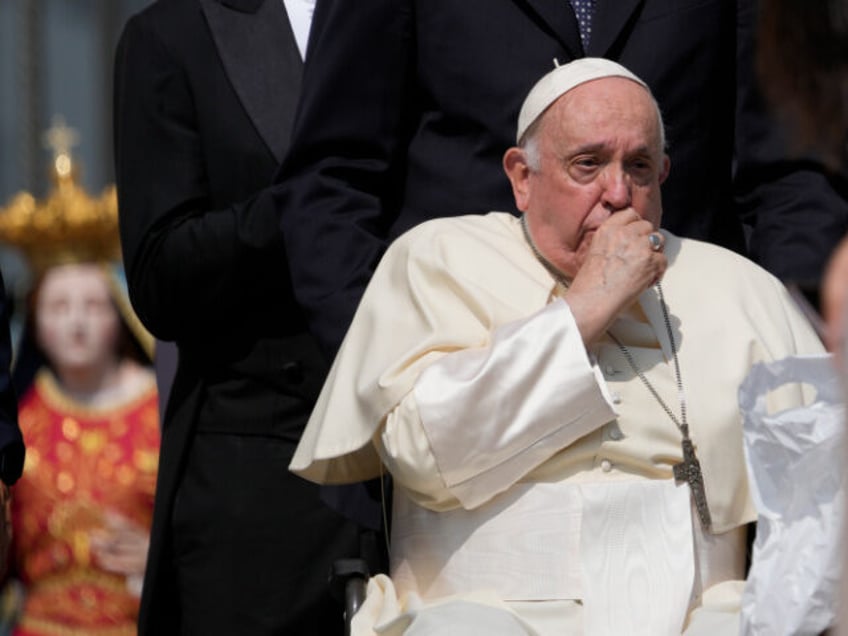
(625, 548)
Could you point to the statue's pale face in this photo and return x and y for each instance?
(77, 324)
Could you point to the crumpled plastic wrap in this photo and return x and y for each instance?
(796, 466)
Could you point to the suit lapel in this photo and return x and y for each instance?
(257, 47)
(611, 18)
(558, 16)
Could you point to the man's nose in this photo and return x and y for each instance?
(617, 191)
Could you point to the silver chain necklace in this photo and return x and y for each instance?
(689, 470)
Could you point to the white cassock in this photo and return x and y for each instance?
(533, 479)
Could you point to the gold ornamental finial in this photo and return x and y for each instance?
(60, 139)
(69, 226)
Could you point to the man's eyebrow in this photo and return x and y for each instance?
(596, 147)
(644, 149)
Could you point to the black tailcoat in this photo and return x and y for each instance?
(205, 95)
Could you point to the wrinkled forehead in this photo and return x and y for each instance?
(609, 100)
(603, 110)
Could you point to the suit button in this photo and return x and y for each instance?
(614, 433)
(606, 465)
(293, 372)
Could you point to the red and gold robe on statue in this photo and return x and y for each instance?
(80, 463)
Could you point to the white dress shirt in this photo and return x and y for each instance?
(300, 16)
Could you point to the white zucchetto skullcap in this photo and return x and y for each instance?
(561, 80)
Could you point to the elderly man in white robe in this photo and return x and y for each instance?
(555, 395)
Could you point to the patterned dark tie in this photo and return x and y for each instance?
(585, 11)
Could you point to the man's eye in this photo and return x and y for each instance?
(584, 169)
(641, 169)
(587, 162)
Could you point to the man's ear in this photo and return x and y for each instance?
(666, 168)
(518, 172)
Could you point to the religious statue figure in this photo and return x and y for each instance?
(81, 512)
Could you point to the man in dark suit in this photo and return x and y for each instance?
(409, 105)
(205, 94)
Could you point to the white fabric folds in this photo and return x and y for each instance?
(513, 413)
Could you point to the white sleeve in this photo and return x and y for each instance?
(478, 420)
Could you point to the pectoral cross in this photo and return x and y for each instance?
(689, 470)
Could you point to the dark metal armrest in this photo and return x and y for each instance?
(348, 578)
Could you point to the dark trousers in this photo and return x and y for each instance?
(253, 543)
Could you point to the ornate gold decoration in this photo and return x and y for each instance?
(69, 226)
